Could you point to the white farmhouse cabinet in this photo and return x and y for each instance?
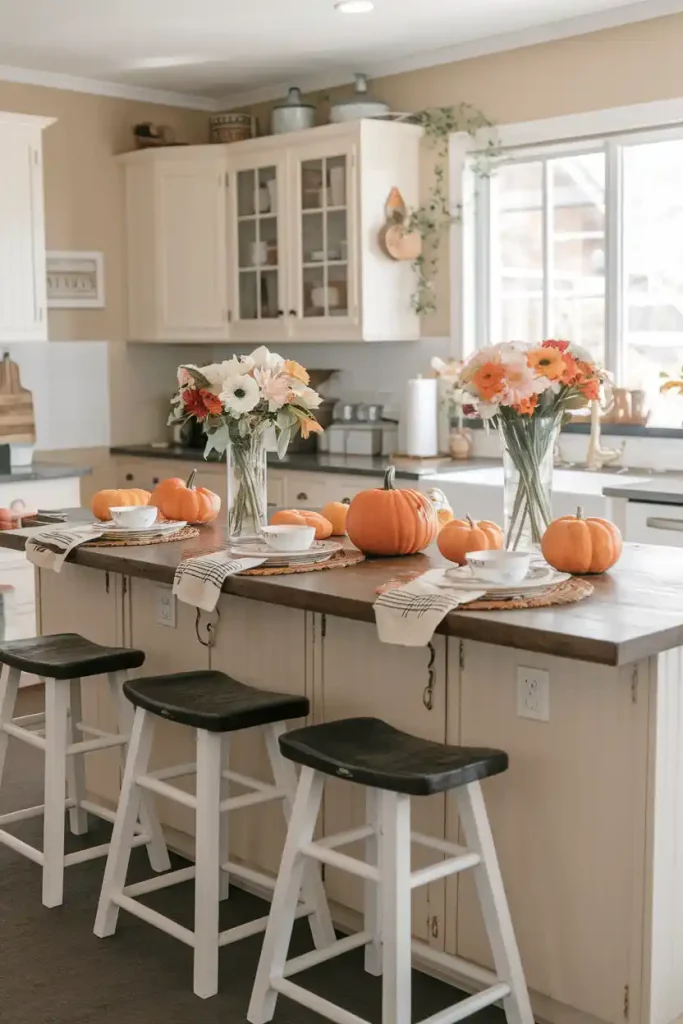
(274, 239)
(23, 302)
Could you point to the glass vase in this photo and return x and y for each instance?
(528, 444)
(247, 501)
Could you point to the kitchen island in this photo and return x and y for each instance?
(588, 821)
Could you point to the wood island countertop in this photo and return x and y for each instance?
(636, 610)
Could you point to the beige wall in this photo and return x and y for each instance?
(616, 67)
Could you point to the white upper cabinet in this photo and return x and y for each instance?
(23, 301)
(275, 239)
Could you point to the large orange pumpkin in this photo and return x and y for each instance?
(461, 536)
(387, 521)
(104, 500)
(336, 512)
(302, 517)
(177, 499)
(581, 546)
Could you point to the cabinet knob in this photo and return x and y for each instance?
(155, 480)
(280, 312)
(293, 312)
(129, 476)
(302, 496)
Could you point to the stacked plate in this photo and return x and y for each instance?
(539, 580)
(319, 551)
(112, 531)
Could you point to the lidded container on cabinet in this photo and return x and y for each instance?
(293, 115)
(360, 105)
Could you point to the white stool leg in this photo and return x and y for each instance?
(285, 897)
(139, 749)
(284, 774)
(225, 820)
(75, 766)
(494, 905)
(372, 910)
(9, 687)
(208, 864)
(56, 725)
(156, 847)
(395, 896)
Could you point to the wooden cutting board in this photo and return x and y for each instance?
(17, 421)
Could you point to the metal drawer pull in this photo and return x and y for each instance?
(665, 524)
(302, 496)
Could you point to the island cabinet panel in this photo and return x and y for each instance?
(361, 676)
(168, 648)
(263, 645)
(569, 822)
(89, 602)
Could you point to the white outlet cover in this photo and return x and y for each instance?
(166, 607)
(533, 693)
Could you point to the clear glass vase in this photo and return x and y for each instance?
(247, 501)
(528, 444)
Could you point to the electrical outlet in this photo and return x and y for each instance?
(165, 607)
(533, 693)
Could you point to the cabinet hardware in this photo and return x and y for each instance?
(129, 476)
(461, 656)
(155, 480)
(36, 157)
(211, 629)
(227, 179)
(627, 1001)
(302, 496)
(634, 686)
(434, 927)
(293, 312)
(661, 523)
(229, 316)
(428, 692)
(125, 585)
(323, 625)
(106, 581)
(280, 312)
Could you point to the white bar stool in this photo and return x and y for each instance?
(395, 766)
(64, 660)
(215, 705)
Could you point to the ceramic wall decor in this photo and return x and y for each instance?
(398, 243)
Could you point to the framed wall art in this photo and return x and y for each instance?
(75, 280)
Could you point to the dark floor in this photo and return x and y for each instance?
(54, 971)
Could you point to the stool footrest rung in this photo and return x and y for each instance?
(19, 846)
(160, 882)
(28, 812)
(455, 965)
(259, 878)
(341, 860)
(24, 735)
(154, 918)
(235, 803)
(93, 852)
(171, 792)
(353, 835)
(101, 743)
(443, 868)
(468, 1006)
(319, 956)
(326, 1009)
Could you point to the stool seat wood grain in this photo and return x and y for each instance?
(374, 753)
(212, 701)
(67, 656)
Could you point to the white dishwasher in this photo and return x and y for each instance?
(647, 523)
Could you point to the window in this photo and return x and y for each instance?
(584, 240)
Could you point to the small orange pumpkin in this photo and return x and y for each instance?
(581, 546)
(178, 500)
(302, 517)
(336, 512)
(461, 536)
(387, 521)
(104, 500)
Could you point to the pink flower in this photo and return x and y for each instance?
(184, 377)
(274, 387)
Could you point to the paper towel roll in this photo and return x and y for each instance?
(421, 413)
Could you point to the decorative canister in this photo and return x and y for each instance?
(232, 127)
(292, 115)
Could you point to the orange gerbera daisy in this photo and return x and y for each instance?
(547, 362)
(526, 406)
(571, 369)
(200, 402)
(297, 371)
(488, 380)
(311, 426)
(590, 389)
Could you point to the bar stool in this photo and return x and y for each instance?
(64, 660)
(394, 766)
(214, 705)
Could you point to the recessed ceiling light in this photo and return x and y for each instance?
(354, 6)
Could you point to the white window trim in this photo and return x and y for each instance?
(570, 132)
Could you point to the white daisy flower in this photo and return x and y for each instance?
(307, 397)
(240, 395)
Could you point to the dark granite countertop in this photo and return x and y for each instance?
(665, 490)
(314, 462)
(43, 471)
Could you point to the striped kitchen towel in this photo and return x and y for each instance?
(198, 581)
(48, 548)
(408, 615)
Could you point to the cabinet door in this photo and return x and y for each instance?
(22, 237)
(191, 251)
(258, 232)
(324, 252)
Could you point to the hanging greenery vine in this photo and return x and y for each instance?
(432, 219)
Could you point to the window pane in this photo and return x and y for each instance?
(517, 252)
(653, 266)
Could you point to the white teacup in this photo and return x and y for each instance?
(500, 566)
(289, 538)
(134, 517)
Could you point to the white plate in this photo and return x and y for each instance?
(538, 578)
(117, 531)
(319, 551)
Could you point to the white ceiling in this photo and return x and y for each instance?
(217, 52)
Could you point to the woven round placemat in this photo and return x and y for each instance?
(340, 560)
(568, 592)
(187, 533)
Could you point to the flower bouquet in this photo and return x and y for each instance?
(237, 401)
(527, 392)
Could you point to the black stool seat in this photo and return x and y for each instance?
(212, 701)
(67, 656)
(373, 753)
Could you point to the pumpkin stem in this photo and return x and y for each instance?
(190, 479)
(389, 478)
(579, 513)
(345, 501)
(470, 521)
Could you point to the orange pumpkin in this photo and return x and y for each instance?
(104, 500)
(176, 499)
(336, 512)
(302, 517)
(387, 521)
(581, 546)
(461, 536)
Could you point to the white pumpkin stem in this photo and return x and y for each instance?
(579, 513)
